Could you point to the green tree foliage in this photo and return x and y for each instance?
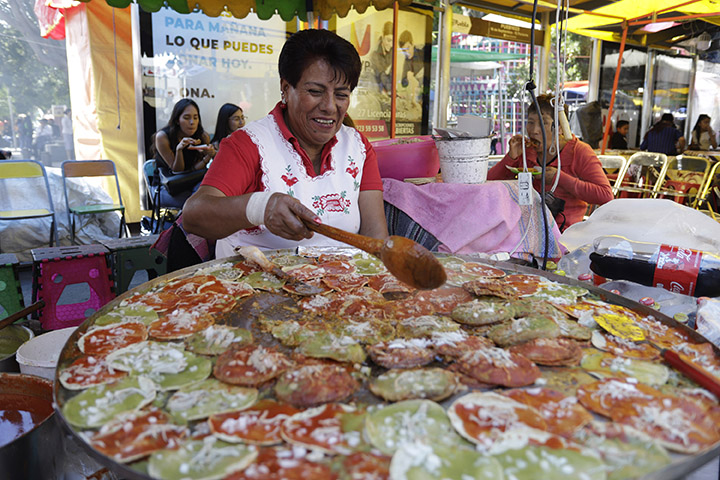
(34, 70)
(577, 66)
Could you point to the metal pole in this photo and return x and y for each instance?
(439, 83)
(445, 67)
(691, 97)
(12, 122)
(646, 119)
(393, 92)
(608, 122)
(544, 67)
(595, 64)
(501, 85)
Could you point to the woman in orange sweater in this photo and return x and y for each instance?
(582, 179)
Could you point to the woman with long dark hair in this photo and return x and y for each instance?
(703, 136)
(182, 146)
(230, 118)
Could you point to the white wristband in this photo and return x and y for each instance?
(255, 209)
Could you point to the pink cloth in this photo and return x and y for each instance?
(475, 218)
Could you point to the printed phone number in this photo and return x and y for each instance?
(371, 128)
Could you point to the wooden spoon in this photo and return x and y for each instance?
(409, 261)
(21, 314)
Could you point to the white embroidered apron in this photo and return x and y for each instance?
(333, 196)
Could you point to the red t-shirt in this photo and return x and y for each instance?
(236, 167)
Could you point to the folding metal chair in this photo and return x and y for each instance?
(160, 213)
(614, 167)
(684, 178)
(642, 175)
(709, 194)
(28, 169)
(91, 168)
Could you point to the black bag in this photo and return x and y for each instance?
(176, 183)
(555, 205)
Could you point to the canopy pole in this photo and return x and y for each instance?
(393, 91)
(608, 123)
(544, 65)
(444, 44)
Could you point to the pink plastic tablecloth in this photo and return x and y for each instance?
(476, 218)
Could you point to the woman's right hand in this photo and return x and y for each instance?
(186, 142)
(283, 214)
(515, 147)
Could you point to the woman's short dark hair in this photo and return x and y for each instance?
(173, 126)
(308, 46)
(222, 129)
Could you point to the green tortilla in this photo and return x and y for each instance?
(215, 339)
(532, 462)
(206, 459)
(131, 313)
(410, 421)
(418, 461)
(96, 406)
(200, 400)
(167, 364)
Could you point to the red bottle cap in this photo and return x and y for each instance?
(585, 277)
(649, 301)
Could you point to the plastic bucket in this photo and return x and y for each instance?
(464, 160)
(40, 355)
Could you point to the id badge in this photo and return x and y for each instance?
(525, 196)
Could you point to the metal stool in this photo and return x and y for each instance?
(56, 268)
(130, 255)
(11, 297)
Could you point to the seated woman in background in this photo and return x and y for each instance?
(664, 137)
(582, 179)
(298, 164)
(182, 146)
(703, 136)
(230, 118)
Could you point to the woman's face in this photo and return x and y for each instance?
(534, 130)
(705, 124)
(188, 121)
(236, 120)
(317, 105)
(387, 42)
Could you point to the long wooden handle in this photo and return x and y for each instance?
(701, 376)
(22, 313)
(367, 244)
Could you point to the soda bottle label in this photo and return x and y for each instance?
(677, 269)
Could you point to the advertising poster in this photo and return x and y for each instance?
(213, 60)
(371, 33)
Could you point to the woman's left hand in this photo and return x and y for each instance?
(550, 175)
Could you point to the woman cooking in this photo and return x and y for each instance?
(582, 179)
(298, 163)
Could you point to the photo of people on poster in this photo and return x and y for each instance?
(372, 35)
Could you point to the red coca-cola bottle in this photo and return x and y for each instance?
(678, 269)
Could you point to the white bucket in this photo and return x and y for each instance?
(40, 355)
(464, 160)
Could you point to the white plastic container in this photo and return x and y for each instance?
(464, 160)
(40, 355)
